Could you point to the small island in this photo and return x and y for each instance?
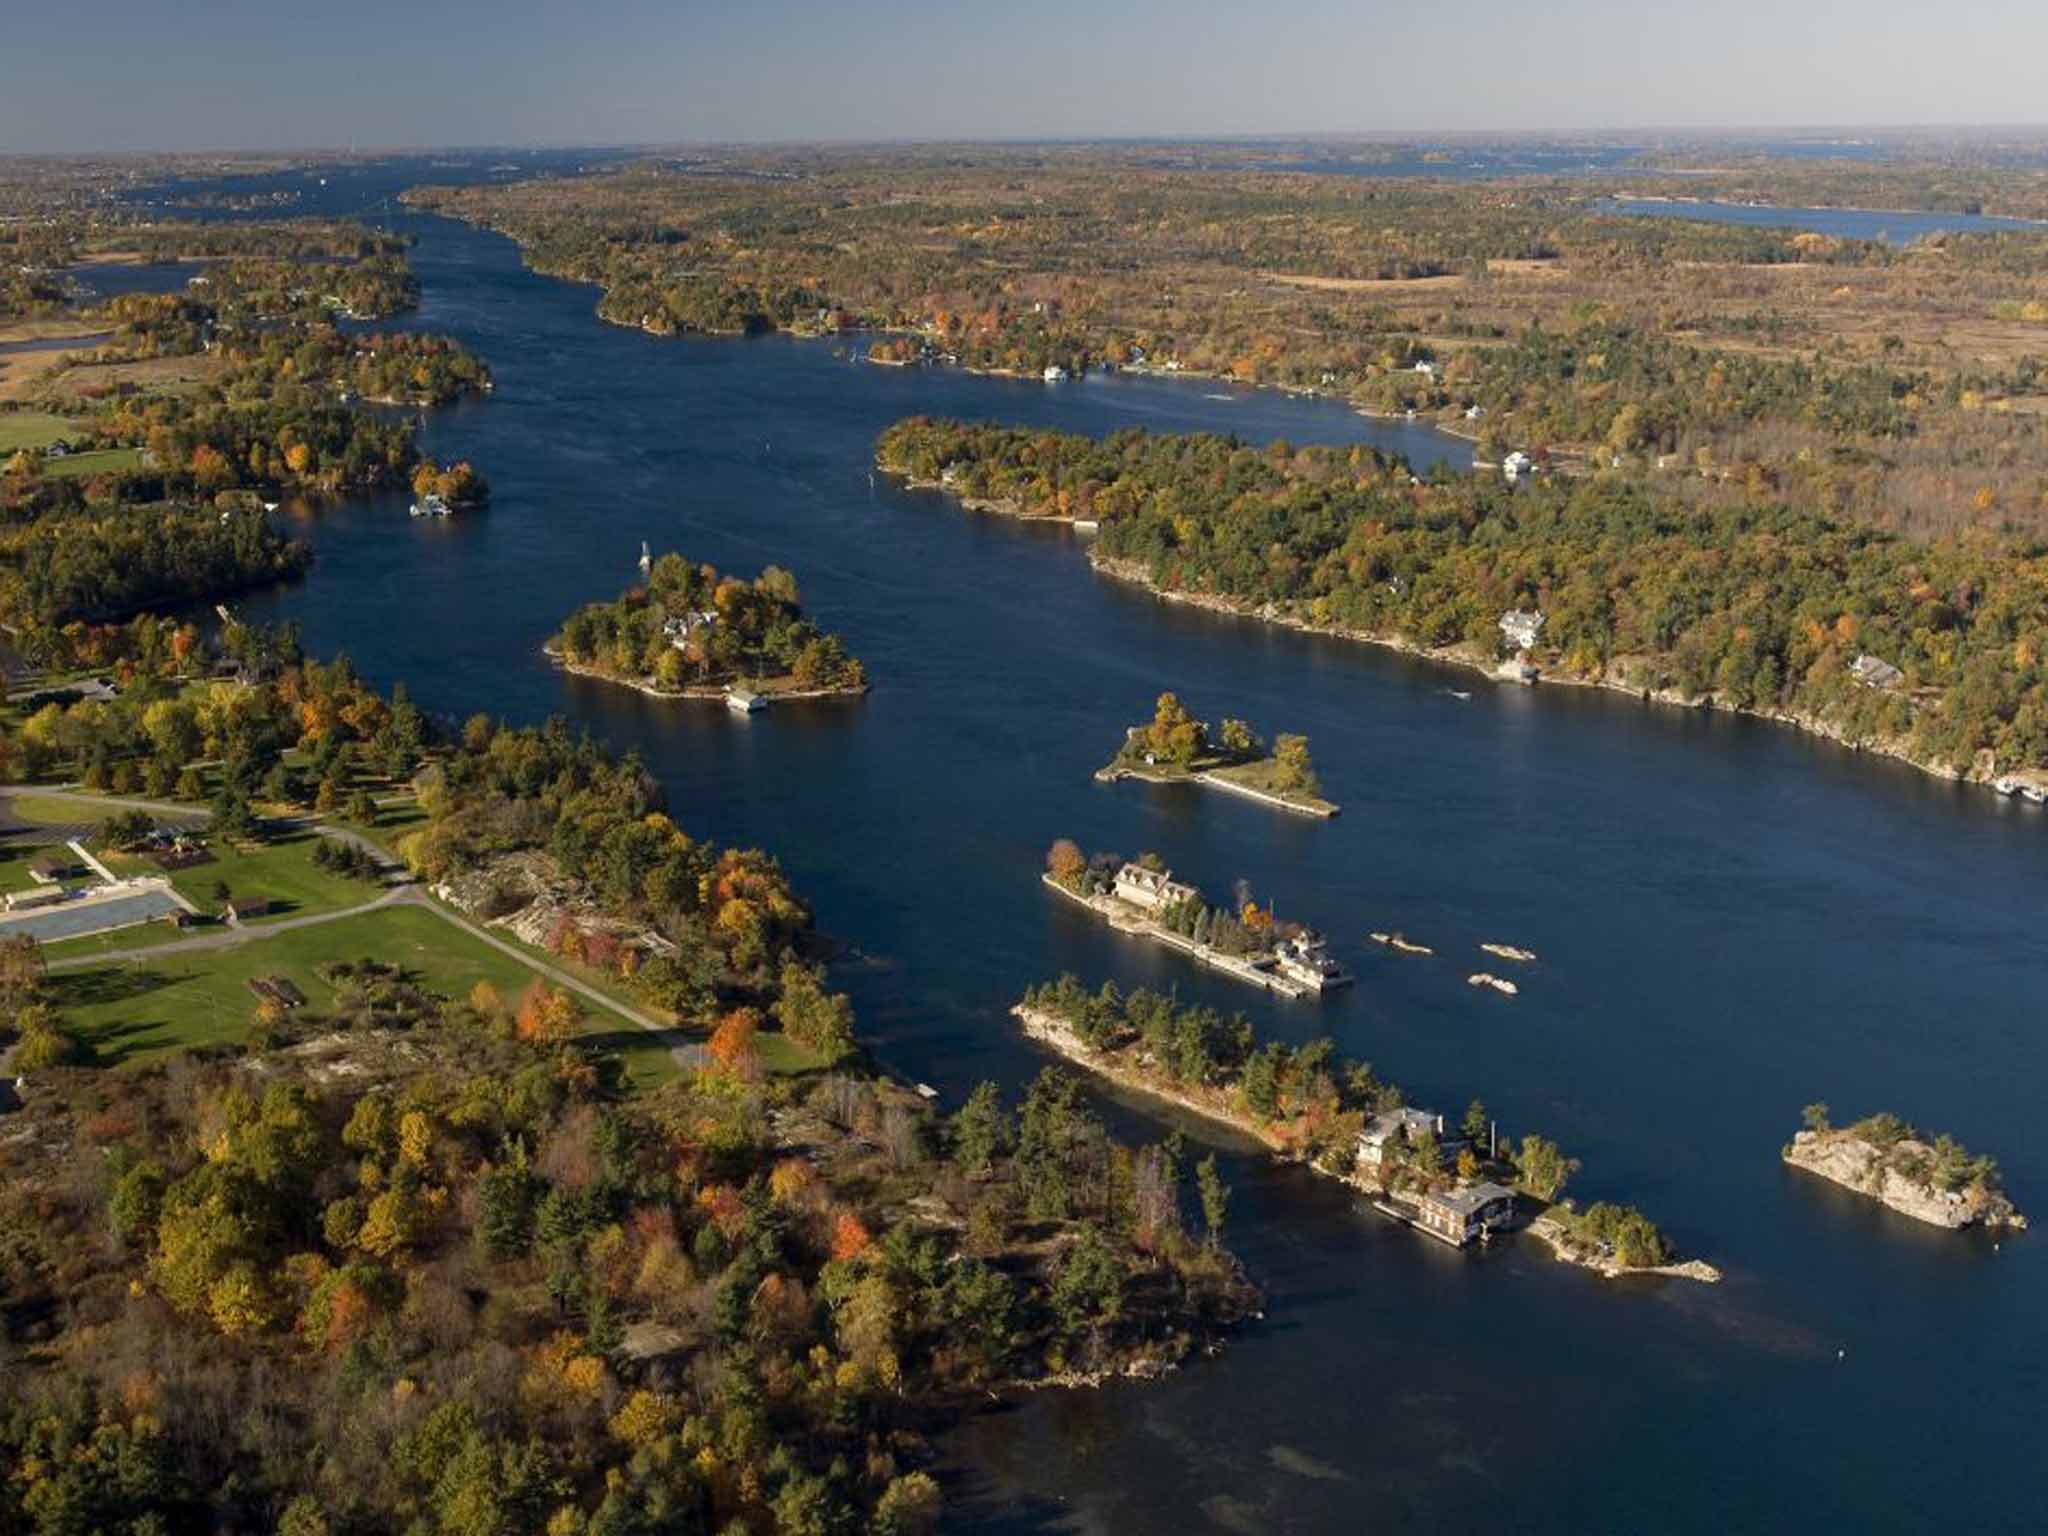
(445, 490)
(688, 632)
(1175, 747)
(1141, 896)
(1887, 1160)
(1461, 1182)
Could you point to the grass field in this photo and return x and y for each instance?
(281, 871)
(98, 461)
(14, 862)
(34, 810)
(132, 1010)
(31, 429)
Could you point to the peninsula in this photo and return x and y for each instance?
(688, 632)
(1177, 748)
(1887, 1160)
(1460, 1183)
(1142, 897)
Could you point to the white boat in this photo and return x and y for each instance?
(2033, 794)
(1055, 374)
(1305, 958)
(431, 505)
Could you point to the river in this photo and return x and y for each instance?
(1733, 919)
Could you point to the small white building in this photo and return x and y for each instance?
(1516, 465)
(683, 628)
(1152, 889)
(1055, 374)
(1521, 628)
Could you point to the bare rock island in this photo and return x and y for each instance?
(1887, 1160)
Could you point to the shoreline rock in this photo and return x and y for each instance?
(1841, 1157)
(697, 692)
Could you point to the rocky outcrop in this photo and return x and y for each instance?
(1878, 1173)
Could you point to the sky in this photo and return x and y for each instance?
(285, 74)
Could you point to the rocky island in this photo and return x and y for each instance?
(1174, 747)
(1461, 1182)
(1887, 1160)
(688, 632)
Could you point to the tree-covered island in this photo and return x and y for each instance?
(1175, 746)
(689, 632)
(1937, 1181)
(1457, 1179)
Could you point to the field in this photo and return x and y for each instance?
(151, 374)
(281, 871)
(31, 429)
(136, 1009)
(98, 461)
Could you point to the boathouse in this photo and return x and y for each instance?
(1459, 1215)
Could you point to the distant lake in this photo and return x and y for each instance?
(1892, 225)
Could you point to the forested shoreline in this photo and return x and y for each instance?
(1757, 607)
(428, 1261)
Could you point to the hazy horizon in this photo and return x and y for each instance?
(256, 77)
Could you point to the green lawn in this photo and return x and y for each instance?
(48, 811)
(281, 871)
(14, 863)
(31, 429)
(131, 1010)
(94, 461)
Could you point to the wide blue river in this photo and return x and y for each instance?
(1733, 920)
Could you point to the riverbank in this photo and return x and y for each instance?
(1136, 574)
(769, 688)
(1125, 918)
(1216, 778)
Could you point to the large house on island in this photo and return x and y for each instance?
(1152, 889)
(1385, 1134)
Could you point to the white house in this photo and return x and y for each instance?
(1386, 1133)
(1516, 465)
(1521, 628)
(1152, 889)
(1874, 673)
